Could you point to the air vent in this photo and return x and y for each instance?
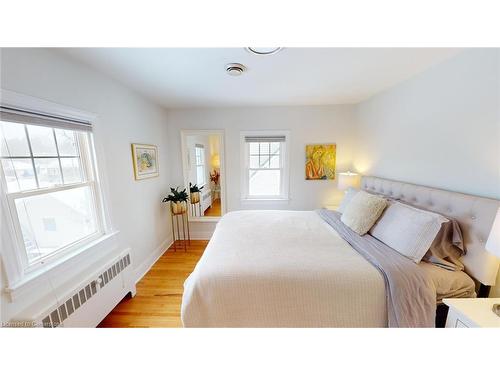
(264, 51)
(235, 69)
(64, 311)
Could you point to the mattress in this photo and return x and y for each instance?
(282, 269)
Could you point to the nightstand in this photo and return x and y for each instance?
(332, 207)
(471, 312)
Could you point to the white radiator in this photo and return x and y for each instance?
(206, 200)
(88, 304)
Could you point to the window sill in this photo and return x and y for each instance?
(70, 261)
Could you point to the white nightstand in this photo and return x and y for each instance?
(471, 312)
(332, 207)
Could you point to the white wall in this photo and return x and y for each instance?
(440, 128)
(311, 124)
(124, 118)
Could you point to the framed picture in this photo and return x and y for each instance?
(320, 162)
(145, 159)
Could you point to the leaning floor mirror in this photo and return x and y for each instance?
(204, 178)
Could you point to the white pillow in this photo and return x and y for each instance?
(348, 195)
(363, 211)
(407, 229)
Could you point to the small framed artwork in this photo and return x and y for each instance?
(320, 161)
(145, 159)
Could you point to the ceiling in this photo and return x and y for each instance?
(196, 77)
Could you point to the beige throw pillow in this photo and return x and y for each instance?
(363, 211)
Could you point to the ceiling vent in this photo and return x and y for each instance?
(235, 69)
(263, 51)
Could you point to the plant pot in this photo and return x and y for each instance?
(195, 197)
(178, 207)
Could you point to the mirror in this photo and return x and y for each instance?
(204, 179)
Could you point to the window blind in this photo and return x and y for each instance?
(269, 138)
(22, 116)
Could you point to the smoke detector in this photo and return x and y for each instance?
(235, 69)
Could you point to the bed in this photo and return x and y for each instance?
(292, 269)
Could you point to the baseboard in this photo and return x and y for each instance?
(152, 259)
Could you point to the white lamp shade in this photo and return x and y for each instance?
(348, 179)
(493, 243)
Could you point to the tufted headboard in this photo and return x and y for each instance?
(474, 214)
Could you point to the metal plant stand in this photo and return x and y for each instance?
(178, 220)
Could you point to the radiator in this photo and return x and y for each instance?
(88, 304)
(206, 200)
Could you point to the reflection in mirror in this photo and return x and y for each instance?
(203, 152)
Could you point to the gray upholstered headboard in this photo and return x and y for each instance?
(474, 214)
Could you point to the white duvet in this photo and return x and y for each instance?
(282, 269)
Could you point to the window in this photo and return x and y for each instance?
(265, 173)
(49, 178)
(200, 165)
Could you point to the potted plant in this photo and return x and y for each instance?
(177, 199)
(194, 191)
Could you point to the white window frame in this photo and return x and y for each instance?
(285, 166)
(19, 273)
(89, 169)
(202, 147)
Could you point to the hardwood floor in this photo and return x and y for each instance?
(214, 210)
(159, 293)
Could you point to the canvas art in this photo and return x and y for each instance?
(145, 158)
(320, 162)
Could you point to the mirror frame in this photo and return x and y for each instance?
(222, 156)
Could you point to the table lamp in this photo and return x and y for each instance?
(216, 161)
(493, 246)
(348, 179)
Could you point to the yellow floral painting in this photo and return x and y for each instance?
(320, 162)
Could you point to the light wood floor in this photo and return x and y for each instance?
(158, 299)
